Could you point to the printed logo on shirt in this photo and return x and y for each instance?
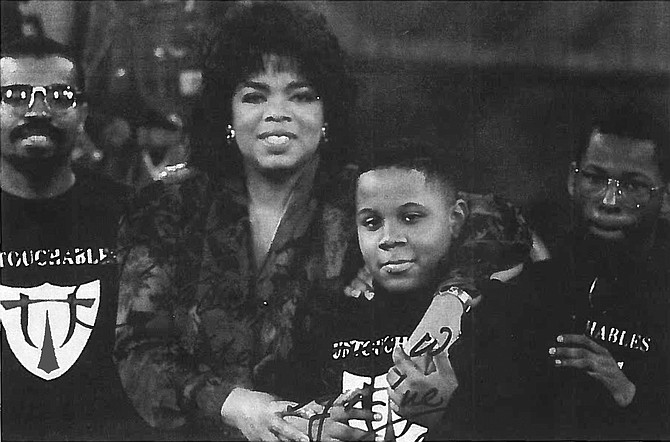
(392, 426)
(56, 257)
(355, 348)
(47, 327)
(618, 336)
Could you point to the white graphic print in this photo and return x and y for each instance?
(48, 326)
(402, 429)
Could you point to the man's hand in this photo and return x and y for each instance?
(416, 396)
(259, 416)
(582, 353)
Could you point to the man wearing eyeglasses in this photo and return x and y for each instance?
(58, 283)
(593, 360)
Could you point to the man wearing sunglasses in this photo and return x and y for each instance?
(595, 340)
(58, 283)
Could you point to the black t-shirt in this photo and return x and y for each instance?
(355, 340)
(59, 289)
(626, 311)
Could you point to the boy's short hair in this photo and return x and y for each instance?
(432, 160)
(635, 118)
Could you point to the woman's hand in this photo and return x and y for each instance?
(259, 416)
(361, 284)
(417, 396)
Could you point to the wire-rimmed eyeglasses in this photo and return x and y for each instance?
(631, 193)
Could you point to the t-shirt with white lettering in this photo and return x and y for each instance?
(58, 300)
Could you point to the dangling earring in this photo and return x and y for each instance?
(230, 134)
(324, 133)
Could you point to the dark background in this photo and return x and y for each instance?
(504, 85)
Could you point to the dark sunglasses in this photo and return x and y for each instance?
(58, 97)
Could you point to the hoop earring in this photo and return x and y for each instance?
(324, 133)
(230, 134)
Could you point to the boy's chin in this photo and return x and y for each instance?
(398, 286)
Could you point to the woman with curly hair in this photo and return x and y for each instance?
(219, 269)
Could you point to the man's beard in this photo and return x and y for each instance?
(40, 169)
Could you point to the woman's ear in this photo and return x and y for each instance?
(459, 213)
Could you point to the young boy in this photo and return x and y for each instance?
(390, 351)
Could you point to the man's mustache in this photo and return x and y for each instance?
(37, 127)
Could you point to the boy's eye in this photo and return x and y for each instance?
(411, 218)
(371, 222)
(253, 97)
(304, 96)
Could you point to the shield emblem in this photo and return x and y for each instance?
(392, 426)
(47, 327)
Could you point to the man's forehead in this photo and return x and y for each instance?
(37, 71)
(622, 152)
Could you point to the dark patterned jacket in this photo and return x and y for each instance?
(195, 318)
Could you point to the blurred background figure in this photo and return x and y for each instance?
(11, 20)
(163, 146)
(502, 82)
(133, 143)
(113, 134)
(32, 26)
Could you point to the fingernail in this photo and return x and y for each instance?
(355, 293)
(558, 362)
(552, 351)
(369, 295)
(559, 338)
(378, 417)
(304, 439)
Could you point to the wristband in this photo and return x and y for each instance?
(460, 294)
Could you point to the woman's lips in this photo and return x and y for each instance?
(277, 140)
(397, 266)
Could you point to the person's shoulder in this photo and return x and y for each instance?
(662, 254)
(97, 193)
(103, 187)
(663, 236)
(191, 186)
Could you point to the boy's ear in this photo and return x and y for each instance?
(459, 213)
(571, 179)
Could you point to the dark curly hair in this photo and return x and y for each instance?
(245, 35)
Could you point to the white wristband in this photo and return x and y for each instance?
(460, 294)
